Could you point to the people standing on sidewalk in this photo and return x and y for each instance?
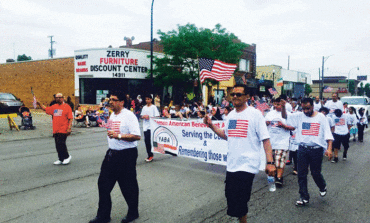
(341, 134)
(62, 125)
(279, 136)
(314, 136)
(148, 111)
(362, 123)
(245, 133)
(119, 163)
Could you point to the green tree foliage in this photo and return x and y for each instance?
(361, 89)
(23, 58)
(182, 48)
(307, 89)
(367, 89)
(351, 85)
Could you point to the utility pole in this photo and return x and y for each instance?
(151, 50)
(51, 46)
(322, 74)
(288, 61)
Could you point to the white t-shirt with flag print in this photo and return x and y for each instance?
(310, 131)
(245, 131)
(279, 136)
(341, 124)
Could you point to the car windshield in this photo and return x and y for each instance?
(7, 97)
(354, 101)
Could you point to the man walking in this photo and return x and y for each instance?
(62, 124)
(245, 131)
(119, 163)
(148, 111)
(313, 135)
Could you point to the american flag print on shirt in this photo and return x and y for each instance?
(238, 128)
(339, 121)
(311, 129)
(58, 112)
(115, 126)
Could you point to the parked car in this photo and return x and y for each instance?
(358, 102)
(9, 103)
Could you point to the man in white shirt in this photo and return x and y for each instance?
(334, 104)
(245, 132)
(119, 163)
(148, 111)
(313, 134)
(317, 104)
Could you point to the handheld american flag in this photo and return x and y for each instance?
(215, 69)
(238, 128)
(272, 91)
(311, 129)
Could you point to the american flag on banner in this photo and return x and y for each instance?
(311, 129)
(238, 128)
(340, 121)
(272, 91)
(262, 106)
(215, 69)
(327, 89)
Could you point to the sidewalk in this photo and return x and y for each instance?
(43, 124)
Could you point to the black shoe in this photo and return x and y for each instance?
(279, 181)
(335, 160)
(99, 220)
(301, 202)
(129, 218)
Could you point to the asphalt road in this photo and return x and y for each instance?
(172, 189)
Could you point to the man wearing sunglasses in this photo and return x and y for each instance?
(245, 132)
(62, 124)
(119, 163)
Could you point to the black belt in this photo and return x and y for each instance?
(311, 147)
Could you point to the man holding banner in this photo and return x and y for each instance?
(245, 132)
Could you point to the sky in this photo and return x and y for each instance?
(305, 30)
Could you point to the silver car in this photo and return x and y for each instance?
(9, 103)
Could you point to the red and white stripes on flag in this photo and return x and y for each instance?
(215, 69)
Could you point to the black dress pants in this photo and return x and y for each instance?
(148, 145)
(118, 165)
(60, 144)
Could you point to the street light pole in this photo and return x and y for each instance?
(151, 49)
(322, 75)
(358, 68)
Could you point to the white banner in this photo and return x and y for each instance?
(191, 139)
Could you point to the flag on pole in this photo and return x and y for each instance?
(215, 69)
(262, 106)
(280, 82)
(273, 91)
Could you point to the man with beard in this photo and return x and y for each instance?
(313, 136)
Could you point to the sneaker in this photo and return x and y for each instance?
(66, 161)
(99, 220)
(149, 159)
(301, 202)
(295, 172)
(279, 181)
(344, 158)
(335, 160)
(323, 192)
(58, 162)
(288, 162)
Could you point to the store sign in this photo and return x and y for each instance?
(362, 78)
(113, 63)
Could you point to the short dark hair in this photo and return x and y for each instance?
(324, 109)
(246, 89)
(338, 112)
(148, 96)
(120, 94)
(307, 100)
(276, 100)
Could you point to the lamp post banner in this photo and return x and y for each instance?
(191, 139)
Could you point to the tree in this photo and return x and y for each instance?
(23, 58)
(361, 89)
(183, 47)
(307, 89)
(351, 88)
(367, 89)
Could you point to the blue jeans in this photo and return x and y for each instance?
(309, 157)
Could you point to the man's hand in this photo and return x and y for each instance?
(207, 120)
(268, 122)
(270, 170)
(145, 117)
(329, 154)
(69, 132)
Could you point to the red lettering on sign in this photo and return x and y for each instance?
(82, 70)
(82, 63)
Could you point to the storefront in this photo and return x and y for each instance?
(98, 71)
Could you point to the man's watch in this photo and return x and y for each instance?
(119, 136)
(272, 163)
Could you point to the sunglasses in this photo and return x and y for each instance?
(113, 99)
(236, 94)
